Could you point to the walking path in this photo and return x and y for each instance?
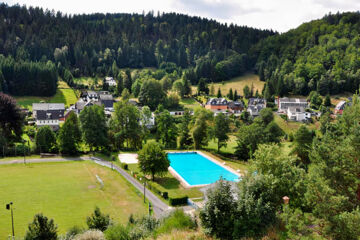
(159, 207)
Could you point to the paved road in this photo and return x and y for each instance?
(159, 207)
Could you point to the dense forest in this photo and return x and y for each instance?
(322, 55)
(91, 44)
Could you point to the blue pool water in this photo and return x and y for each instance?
(198, 170)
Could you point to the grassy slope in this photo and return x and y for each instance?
(292, 126)
(189, 103)
(64, 94)
(238, 83)
(66, 192)
(171, 185)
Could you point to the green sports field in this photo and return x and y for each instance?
(67, 192)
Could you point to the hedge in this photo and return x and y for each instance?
(178, 201)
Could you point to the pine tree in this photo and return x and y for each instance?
(236, 97)
(219, 93)
(231, 95)
(212, 90)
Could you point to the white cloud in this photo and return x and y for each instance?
(280, 15)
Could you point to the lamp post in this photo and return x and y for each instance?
(144, 189)
(24, 151)
(9, 207)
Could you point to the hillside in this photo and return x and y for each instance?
(322, 55)
(34, 40)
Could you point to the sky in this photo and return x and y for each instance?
(279, 15)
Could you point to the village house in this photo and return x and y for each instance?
(339, 108)
(217, 104)
(110, 81)
(298, 114)
(285, 103)
(255, 105)
(48, 114)
(221, 105)
(89, 98)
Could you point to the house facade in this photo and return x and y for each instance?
(285, 103)
(221, 105)
(217, 104)
(339, 108)
(298, 114)
(255, 105)
(48, 114)
(110, 81)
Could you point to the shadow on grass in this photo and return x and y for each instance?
(168, 182)
(59, 97)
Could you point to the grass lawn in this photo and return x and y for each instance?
(230, 148)
(96, 82)
(170, 184)
(237, 83)
(63, 95)
(292, 126)
(66, 192)
(189, 103)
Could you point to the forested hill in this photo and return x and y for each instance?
(322, 55)
(90, 44)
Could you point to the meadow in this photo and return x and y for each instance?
(237, 83)
(66, 192)
(64, 94)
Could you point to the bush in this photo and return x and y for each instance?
(178, 201)
(117, 232)
(125, 166)
(41, 228)
(177, 220)
(72, 232)
(165, 195)
(98, 220)
(90, 235)
(283, 116)
(291, 137)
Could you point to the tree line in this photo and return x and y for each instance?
(322, 55)
(89, 44)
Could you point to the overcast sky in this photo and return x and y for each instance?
(279, 15)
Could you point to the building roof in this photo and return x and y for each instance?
(48, 106)
(234, 104)
(340, 105)
(296, 109)
(91, 93)
(49, 114)
(106, 97)
(217, 101)
(256, 101)
(293, 100)
(255, 108)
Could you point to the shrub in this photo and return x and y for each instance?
(165, 195)
(117, 232)
(41, 228)
(283, 116)
(125, 166)
(176, 220)
(178, 200)
(98, 220)
(90, 235)
(72, 232)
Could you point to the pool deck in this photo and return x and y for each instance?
(184, 183)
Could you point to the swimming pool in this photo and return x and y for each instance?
(196, 169)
